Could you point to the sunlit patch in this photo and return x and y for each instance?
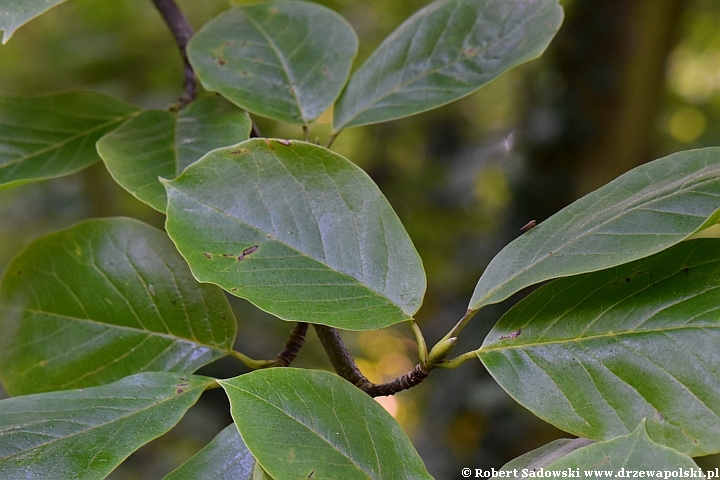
(390, 404)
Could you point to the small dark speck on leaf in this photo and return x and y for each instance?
(180, 390)
(172, 301)
(685, 269)
(207, 255)
(221, 61)
(19, 272)
(514, 334)
(531, 224)
(228, 254)
(469, 51)
(234, 289)
(311, 474)
(245, 252)
(627, 279)
(244, 72)
(239, 152)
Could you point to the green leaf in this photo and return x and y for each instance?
(101, 300)
(285, 60)
(312, 424)
(86, 433)
(161, 144)
(225, 458)
(16, 13)
(443, 52)
(633, 452)
(297, 230)
(594, 354)
(542, 457)
(638, 214)
(49, 136)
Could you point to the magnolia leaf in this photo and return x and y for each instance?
(444, 52)
(541, 457)
(633, 452)
(86, 433)
(48, 136)
(101, 300)
(16, 13)
(313, 424)
(285, 60)
(160, 143)
(225, 458)
(297, 230)
(595, 354)
(636, 215)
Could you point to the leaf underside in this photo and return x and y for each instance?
(16, 13)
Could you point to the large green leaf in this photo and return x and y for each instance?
(15, 13)
(86, 433)
(541, 457)
(639, 213)
(312, 424)
(102, 300)
(634, 452)
(443, 52)
(286, 60)
(49, 136)
(594, 354)
(297, 230)
(161, 144)
(225, 458)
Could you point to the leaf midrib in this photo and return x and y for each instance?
(281, 59)
(79, 134)
(154, 404)
(601, 336)
(121, 327)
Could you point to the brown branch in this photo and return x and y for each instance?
(182, 32)
(345, 366)
(293, 345)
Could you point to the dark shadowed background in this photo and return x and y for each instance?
(624, 82)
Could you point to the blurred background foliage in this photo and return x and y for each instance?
(624, 82)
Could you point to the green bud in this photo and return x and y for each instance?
(441, 350)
